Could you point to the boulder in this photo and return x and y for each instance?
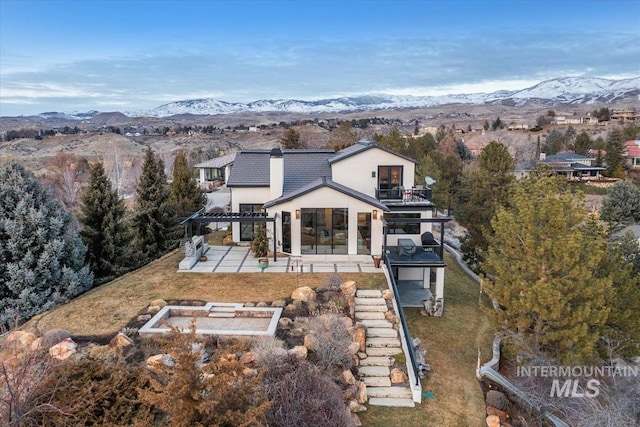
(120, 344)
(19, 340)
(387, 294)
(278, 303)
(493, 421)
(153, 309)
(299, 351)
(262, 304)
(304, 294)
(144, 318)
(353, 348)
(349, 288)
(37, 344)
(398, 376)
(309, 342)
(361, 395)
(158, 303)
(502, 415)
(353, 405)
(249, 304)
(290, 308)
(63, 350)
(348, 378)
(285, 323)
(497, 399)
(350, 392)
(360, 336)
(158, 360)
(391, 317)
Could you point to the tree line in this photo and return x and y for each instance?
(48, 257)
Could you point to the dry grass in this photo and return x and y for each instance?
(452, 344)
(451, 341)
(107, 309)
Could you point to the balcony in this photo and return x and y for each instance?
(404, 195)
(410, 254)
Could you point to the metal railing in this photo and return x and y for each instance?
(403, 322)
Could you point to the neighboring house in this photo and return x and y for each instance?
(361, 200)
(632, 149)
(215, 170)
(573, 166)
(585, 120)
(625, 116)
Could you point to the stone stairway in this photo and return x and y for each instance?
(382, 344)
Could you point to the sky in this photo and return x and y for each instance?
(132, 56)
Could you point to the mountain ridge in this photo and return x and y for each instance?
(562, 90)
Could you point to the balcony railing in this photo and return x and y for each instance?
(404, 194)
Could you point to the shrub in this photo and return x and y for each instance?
(268, 351)
(331, 342)
(332, 282)
(53, 337)
(302, 397)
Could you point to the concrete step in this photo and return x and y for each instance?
(221, 314)
(369, 315)
(368, 293)
(392, 401)
(378, 308)
(370, 301)
(374, 371)
(392, 391)
(381, 333)
(377, 323)
(383, 342)
(377, 361)
(383, 351)
(377, 381)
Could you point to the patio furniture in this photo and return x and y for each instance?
(407, 247)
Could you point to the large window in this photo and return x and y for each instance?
(214, 174)
(247, 229)
(402, 228)
(390, 182)
(324, 231)
(364, 233)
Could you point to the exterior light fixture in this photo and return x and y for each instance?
(375, 214)
(297, 213)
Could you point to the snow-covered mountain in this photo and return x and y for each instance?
(568, 90)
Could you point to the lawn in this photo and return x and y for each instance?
(452, 344)
(452, 341)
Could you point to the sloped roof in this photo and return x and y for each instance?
(566, 157)
(363, 145)
(217, 162)
(252, 168)
(633, 148)
(329, 183)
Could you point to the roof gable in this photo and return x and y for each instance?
(217, 162)
(362, 146)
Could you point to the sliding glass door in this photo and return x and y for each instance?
(324, 231)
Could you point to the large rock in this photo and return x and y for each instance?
(120, 344)
(397, 376)
(304, 294)
(285, 323)
(361, 395)
(348, 378)
(493, 421)
(497, 399)
(299, 351)
(349, 288)
(158, 303)
(63, 350)
(19, 340)
(387, 294)
(157, 361)
(502, 415)
(360, 336)
(353, 348)
(309, 342)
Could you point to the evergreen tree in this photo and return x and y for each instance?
(41, 254)
(484, 188)
(155, 221)
(544, 259)
(615, 153)
(622, 204)
(582, 144)
(104, 229)
(185, 193)
(291, 139)
(393, 141)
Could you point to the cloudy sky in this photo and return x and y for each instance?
(135, 55)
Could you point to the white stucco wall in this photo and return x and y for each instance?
(243, 196)
(355, 171)
(329, 198)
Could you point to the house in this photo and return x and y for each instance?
(632, 149)
(573, 166)
(214, 170)
(625, 115)
(356, 202)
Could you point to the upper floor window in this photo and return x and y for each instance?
(390, 182)
(404, 228)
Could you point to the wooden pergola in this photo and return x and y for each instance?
(202, 217)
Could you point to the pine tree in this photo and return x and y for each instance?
(544, 259)
(582, 144)
(154, 222)
(291, 139)
(615, 153)
(185, 193)
(622, 204)
(41, 254)
(104, 229)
